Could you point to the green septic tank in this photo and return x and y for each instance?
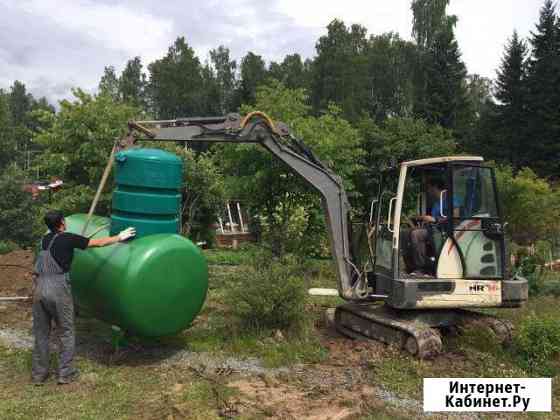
(155, 284)
(147, 194)
(151, 286)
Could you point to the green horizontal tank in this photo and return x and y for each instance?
(150, 286)
(147, 192)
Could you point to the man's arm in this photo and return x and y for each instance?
(109, 240)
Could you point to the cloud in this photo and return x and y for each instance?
(53, 45)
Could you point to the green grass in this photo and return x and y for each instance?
(229, 257)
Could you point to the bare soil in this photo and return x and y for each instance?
(16, 280)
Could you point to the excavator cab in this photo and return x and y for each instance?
(438, 237)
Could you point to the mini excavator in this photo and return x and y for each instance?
(386, 299)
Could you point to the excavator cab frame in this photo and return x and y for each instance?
(469, 265)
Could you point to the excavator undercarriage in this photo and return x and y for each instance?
(418, 332)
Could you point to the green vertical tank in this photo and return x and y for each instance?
(151, 286)
(147, 194)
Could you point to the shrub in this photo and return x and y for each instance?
(537, 344)
(6, 247)
(268, 294)
(18, 211)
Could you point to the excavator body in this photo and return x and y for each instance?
(433, 245)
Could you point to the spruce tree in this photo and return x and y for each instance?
(132, 83)
(511, 112)
(440, 83)
(543, 141)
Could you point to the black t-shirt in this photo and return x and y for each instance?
(63, 247)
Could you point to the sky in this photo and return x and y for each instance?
(55, 45)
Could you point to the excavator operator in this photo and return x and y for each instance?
(418, 241)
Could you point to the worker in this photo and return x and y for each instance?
(420, 237)
(52, 296)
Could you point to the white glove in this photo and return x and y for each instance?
(127, 234)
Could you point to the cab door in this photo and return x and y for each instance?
(476, 248)
(384, 229)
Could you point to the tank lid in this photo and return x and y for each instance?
(149, 155)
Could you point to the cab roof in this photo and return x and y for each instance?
(443, 159)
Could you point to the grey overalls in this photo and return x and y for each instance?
(52, 300)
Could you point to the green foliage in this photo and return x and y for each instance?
(268, 294)
(204, 194)
(391, 63)
(6, 247)
(132, 83)
(339, 72)
(253, 73)
(77, 145)
(7, 143)
(225, 77)
(269, 189)
(511, 92)
(176, 82)
(397, 140)
(18, 212)
(292, 72)
(529, 204)
(543, 99)
(109, 84)
(537, 344)
(429, 18)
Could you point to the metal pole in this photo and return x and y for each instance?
(240, 217)
(100, 187)
(230, 218)
(15, 298)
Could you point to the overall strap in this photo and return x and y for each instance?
(52, 241)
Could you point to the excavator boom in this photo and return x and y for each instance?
(276, 138)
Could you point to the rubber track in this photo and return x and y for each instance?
(356, 322)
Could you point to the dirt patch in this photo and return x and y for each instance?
(16, 280)
(15, 273)
(279, 400)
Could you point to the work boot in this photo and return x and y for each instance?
(39, 380)
(68, 379)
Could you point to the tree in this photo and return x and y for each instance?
(523, 196)
(253, 73)
(339, 72)
(204, 194)
(440, 83)
(77, 145)
(512, 109)
(7, 145)
(390, 67)
(429, 18)
(544, 93)
(18, 212)
(109, 84)
(176, 83)
(396, 140)
(443, 100)
(292, 72)
(20, 103)
(225, 77)
(132, 83)
(271, 190)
